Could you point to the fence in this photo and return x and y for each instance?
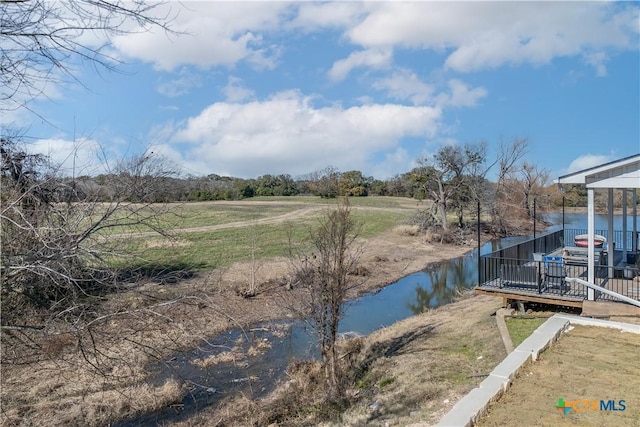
(517, 262)
(519, 254)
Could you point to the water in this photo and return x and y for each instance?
(256, 375)
(281, 342)
(574, 220)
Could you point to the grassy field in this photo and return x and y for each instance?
(520, 328)
(587, 363)
(229, 232)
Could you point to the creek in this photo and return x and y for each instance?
(263, 351)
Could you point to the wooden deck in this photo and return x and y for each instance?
(569, 294)
(572, 298)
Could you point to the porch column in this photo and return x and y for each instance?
(634, 239)
(590, 247)
(610, 235)
(624, 225)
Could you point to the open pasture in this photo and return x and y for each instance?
(217, 234)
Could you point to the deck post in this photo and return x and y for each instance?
(634, 237)
(481, 277)
(591, 247)
(611, 244)
(624, 225)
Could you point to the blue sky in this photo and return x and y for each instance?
(252, 88)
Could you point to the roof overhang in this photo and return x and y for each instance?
(623, 173)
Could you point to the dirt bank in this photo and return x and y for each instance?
(100, 377)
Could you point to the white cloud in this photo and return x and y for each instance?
(491, 34)
(587, 161)
(394, 161)
(473, 35)
(77, 158)
(209, 34)
(597, 60)
(313, 16)
(287, 134)
(461, 95)
(373, 58)
(181, 85)
(235, 91)
(404, 84)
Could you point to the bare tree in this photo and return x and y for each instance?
(58, 243)
(325, 182)
(499, 199)
(448, 178)
(529, 182)
(323, 282)
(42, 40)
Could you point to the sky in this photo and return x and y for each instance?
(251, 88)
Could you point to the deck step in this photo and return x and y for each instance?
(608, 308)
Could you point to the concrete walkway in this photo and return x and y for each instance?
(475, 404)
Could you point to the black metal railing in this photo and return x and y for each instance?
(619, 280)
(617, 242)
(522, 252)
(523, 267)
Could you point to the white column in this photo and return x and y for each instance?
(634, 241)
(590, 250)
(610, 234)
(624, 225)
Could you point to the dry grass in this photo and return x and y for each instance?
(407, 230)
(421, 365)
(411, 371)
(155, 320)
(586, 363)
(77, 405)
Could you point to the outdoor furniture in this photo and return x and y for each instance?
(579, 256)
(521, 276)
(555, 276)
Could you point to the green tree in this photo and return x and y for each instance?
(353, 183)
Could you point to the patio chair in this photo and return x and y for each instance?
(555, 276)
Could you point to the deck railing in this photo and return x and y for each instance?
(515, 263)
(523, 252)
(618, 238)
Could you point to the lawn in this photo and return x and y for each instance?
(521, 327)
(587, 364)
(215, 245)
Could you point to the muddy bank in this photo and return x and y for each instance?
(97, 377)
(412, 371)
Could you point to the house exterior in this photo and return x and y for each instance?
(621, 174)
(555, 268)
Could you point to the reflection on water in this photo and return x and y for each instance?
(436, 285)
(445, 282)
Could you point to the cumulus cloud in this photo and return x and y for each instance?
(473, 35)
(587, 161)
(491, 34)
(404, 84)
(314, 16)
(372, 58)
(287, 133)
(208, 34)
(236, 91)
(77, 158)
(461, 95)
